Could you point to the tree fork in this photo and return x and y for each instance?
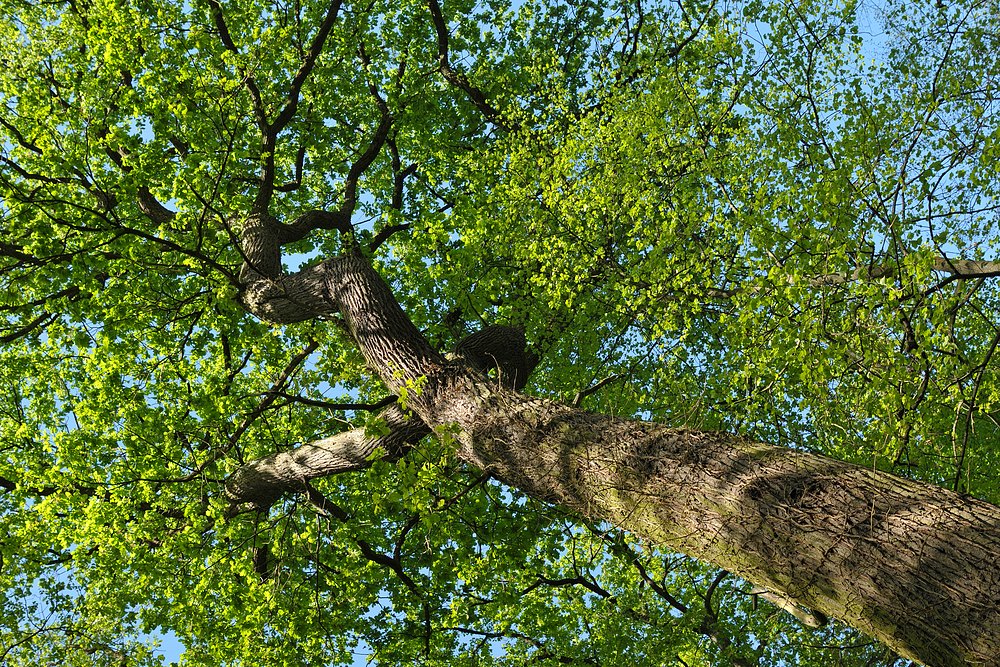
(911, 564)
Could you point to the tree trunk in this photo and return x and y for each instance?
(913, 565)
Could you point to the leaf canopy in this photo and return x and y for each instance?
(765, 217)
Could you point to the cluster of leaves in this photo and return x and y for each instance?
(762, 233)
(731, 216)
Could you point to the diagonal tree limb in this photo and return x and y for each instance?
(273, 393)
(584, 393)
(262, 482)
(357, 169)
(315, 49)
(248, 81)
(475, 95)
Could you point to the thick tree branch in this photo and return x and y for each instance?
(399, 175)
(956, 268)
(265, 480)
(302, 225)
(296, 182)
(502, 349)
(278, 298)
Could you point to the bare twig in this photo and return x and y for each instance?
(597, 387)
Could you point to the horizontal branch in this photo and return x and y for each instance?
(957, 269)
(328, 405)
(967, 268)
(302, 225)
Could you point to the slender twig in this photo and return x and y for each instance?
(590, 390)
(272, 394)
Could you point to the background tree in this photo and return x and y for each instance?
(771, 219)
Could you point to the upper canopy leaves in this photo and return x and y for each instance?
(746, 217)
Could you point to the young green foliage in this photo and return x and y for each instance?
(770, 218)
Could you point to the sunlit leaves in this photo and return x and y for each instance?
(717, 215)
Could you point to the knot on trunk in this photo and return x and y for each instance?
(502, 349)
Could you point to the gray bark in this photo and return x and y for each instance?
(910, 564)
(264, 481)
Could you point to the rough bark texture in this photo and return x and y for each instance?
(913, 565)
(910, 564)
(265, 480)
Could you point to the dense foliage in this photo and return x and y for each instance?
(772, 218)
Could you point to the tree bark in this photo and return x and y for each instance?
(913, 565)
(265, 480)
